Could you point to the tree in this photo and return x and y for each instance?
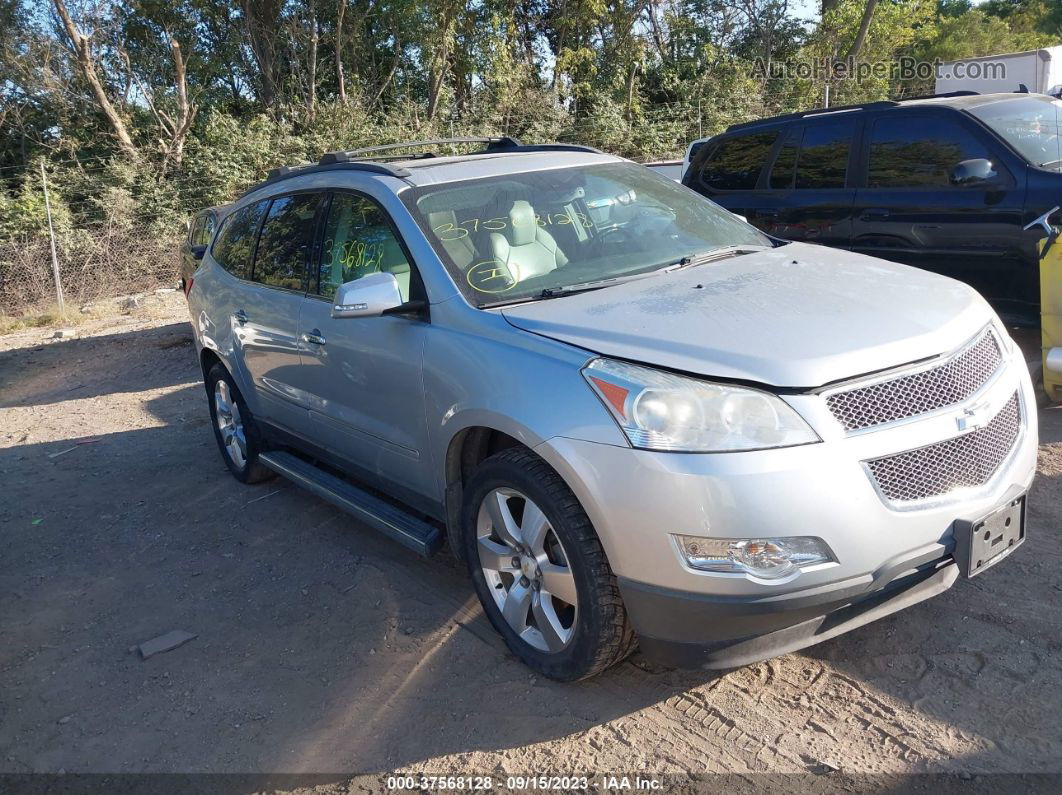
(341, 83)
(262, 23)
(170, 104)
(86, 64)
(864, 26)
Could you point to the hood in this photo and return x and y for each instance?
(796, 316)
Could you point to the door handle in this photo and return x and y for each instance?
(314, 337)
(240, 316)
(874, 214)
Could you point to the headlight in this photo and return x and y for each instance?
(663, 411)
(766, 558)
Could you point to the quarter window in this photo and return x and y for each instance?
(234, 247)
(358, 241)
(918, 152)
(206, 233)
(285, 242)
(736, 162)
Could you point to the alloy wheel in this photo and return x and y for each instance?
(526, 569)
(230, 424)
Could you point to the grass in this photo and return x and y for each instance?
(42, 317)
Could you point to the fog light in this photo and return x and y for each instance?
(766, 558)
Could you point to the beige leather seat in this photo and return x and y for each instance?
(367, 245)
(461, 250)
(393, 260)
(526, 249)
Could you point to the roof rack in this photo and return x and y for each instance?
(278, 174)
(963, 93)
(492, 144)
(554, 148)
(369, 159)
(285, 171)
(882, 103)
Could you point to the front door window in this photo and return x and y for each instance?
(358, 241)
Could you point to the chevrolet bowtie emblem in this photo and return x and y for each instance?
(973, 417)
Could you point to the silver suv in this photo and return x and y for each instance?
(637, 419)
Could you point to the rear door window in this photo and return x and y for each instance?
(918, 151)
(823, 158)
(736, 162)
(286, 240)
(234, 248)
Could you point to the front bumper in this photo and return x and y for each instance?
(887, 557)
(703, 631)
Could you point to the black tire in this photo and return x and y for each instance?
(602, 633)
(251, 471)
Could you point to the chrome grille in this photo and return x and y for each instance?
(966, 461)
(921, 392)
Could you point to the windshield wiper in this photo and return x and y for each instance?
(597, 284)
(708, 256)
(690, 259)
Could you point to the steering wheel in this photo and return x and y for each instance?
(601, 233)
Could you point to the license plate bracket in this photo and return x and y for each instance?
(982, 543)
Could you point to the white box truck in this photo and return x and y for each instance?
(1039, 71)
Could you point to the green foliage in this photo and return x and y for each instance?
(637, 78)
(978, 33)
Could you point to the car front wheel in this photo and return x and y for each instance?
(539, 569)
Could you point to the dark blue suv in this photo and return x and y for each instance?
(945, 183)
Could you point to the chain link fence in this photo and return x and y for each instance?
(94, 264)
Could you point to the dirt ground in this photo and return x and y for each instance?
(322, 647)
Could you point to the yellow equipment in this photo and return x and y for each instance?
(1050, 306)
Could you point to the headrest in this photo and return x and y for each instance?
(522, 219)
(469, 197)
(441, 218)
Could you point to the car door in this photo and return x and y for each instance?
(908, 209)
(266, 321)
(812, 194)
(728, 172)
(363, 375)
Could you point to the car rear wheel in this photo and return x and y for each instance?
(234, 428)
(539, 569)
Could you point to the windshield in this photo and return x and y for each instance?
(1030, 125)
(522, 236)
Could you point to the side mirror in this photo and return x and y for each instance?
(740, 217)
(198, 251)
(974, 173)
(369, 296)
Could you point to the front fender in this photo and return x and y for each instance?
(511, 381)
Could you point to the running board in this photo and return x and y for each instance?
(392, 521)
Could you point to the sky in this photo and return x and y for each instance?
(806, 9)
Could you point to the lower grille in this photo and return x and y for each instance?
(966, 461)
